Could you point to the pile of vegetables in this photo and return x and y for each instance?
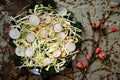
(44, 37)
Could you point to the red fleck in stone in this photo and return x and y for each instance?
(84, 64)
(93, 25)
(101, 55)
(87, 56)
(114, 29)
(97, 50)
(97, 24)
(79, 64)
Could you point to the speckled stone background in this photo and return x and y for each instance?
(98, 70)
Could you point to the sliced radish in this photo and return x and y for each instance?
(47, 61)
(47, 18)
(44, 34)
(61, 35)
(70, 46)
(34, 20)
(62, 11)
(20, 51)
(30, 37)
(29, 52)
(57, 54)
(14, 33)
(58, 27)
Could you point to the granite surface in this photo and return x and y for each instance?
(108, 69)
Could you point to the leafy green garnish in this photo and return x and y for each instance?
(18, 61)
(77, 25)
(49, 2)
(11, 43)
(48, 73)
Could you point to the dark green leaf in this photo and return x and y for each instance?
(77, 25)
(11, 43)
(49, 2)
(48, 73)
(17, 60)
(78, 44)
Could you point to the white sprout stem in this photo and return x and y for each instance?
(43, 7)
(75, 28)
(74, 52)
(70, 21)
(78, 35)
(23, 18)
(19, 15)
(23, 65)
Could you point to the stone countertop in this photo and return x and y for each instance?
(108, 69)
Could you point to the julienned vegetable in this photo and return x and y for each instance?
(44, 38)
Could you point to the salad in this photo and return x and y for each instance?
(44, 37)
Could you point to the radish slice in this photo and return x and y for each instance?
(47, 61)
(62, 11)
(34, 20)
(61, 35)
(46, 18)
(58, 27)
(44, 34)
(20, 51)
(30, 37)
(70, 46)
(14, 33)
(29, 52)
(57, 54)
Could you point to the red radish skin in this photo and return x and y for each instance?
(34, 20)
(29, 52)
(30, 37)
(20, 51)
(70, 46)
(58, 27)
(57, 54)
(14, 33)
(47, 18)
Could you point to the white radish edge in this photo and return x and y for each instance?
(68, 46)
(18, 52)
(29, 52)
(44, 33)
(34, 20)
(47, 17)
(57, 53)
(30, 37)
(62, 11)
(14, 33)
(56, 27)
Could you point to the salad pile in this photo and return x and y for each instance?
(44, 37)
